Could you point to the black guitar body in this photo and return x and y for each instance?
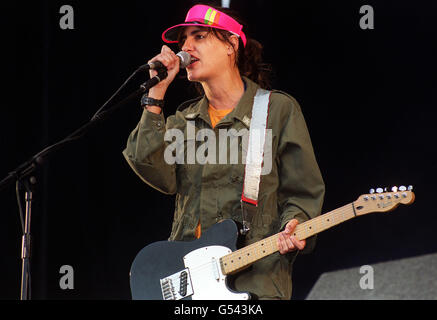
(163, 258)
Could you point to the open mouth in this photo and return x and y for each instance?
(193, 60)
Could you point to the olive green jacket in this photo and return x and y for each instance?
(211, 192)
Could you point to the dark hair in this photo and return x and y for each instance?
(248, 59)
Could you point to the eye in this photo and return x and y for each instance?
(200, 36)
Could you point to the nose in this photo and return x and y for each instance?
(188, 45)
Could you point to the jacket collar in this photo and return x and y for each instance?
(242, 112)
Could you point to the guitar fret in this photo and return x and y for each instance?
(244, 257)
(323, 222)
(207, 262)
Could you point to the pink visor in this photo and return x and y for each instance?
(205, 16)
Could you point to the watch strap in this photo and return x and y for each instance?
(148, 101)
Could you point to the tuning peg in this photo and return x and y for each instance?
(394, 189)
(379, 190)
(410, 188)
(372, 191)
(402, 188)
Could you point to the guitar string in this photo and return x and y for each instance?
(316, 223)
(270, 241)
(252, 247)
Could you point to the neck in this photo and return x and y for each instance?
(244, 257)
(225, 91)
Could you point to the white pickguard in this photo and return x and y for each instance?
(208, 281)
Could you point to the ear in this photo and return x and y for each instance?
(235, 44)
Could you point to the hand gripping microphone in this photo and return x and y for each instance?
(184, 58)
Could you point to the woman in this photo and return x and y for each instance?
(227, 67)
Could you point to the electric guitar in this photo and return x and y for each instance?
(198, 269)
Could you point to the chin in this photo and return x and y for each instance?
(194, 76)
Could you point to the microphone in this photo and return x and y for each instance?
(184, 59)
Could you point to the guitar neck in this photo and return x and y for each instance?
(244, 257)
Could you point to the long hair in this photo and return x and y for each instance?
(248, 59)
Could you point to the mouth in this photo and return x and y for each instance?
(193, 60)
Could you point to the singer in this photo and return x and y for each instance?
(227, 68)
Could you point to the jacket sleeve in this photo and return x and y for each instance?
(145, 153)
(301, 189)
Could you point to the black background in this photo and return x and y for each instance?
(368, 96)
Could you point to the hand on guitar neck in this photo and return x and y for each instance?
(198, 269)
(286, 242)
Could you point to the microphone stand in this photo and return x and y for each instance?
(22, 174)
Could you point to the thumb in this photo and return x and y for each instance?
(165, 48)
(291, 225)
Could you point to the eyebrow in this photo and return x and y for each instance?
(195, 31)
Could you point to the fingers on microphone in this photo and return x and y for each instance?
(165, 49)
(169, 56)
(169, 60)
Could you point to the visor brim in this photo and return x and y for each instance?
(171, 34)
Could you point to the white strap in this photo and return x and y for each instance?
(255, 151)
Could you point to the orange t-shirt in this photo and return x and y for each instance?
(215, 115)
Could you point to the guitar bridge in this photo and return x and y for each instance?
(179, 281)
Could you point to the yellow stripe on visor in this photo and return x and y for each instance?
(211, 17)
(208, 17)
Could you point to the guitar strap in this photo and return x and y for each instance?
(254, 157)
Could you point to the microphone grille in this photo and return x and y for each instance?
(185, 58)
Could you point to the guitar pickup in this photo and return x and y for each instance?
(183, 283)
(167, 289)
(179, 280)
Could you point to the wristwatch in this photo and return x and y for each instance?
(147, 101)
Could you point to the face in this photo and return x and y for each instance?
(212, 55)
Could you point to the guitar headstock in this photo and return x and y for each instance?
(382, 201)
